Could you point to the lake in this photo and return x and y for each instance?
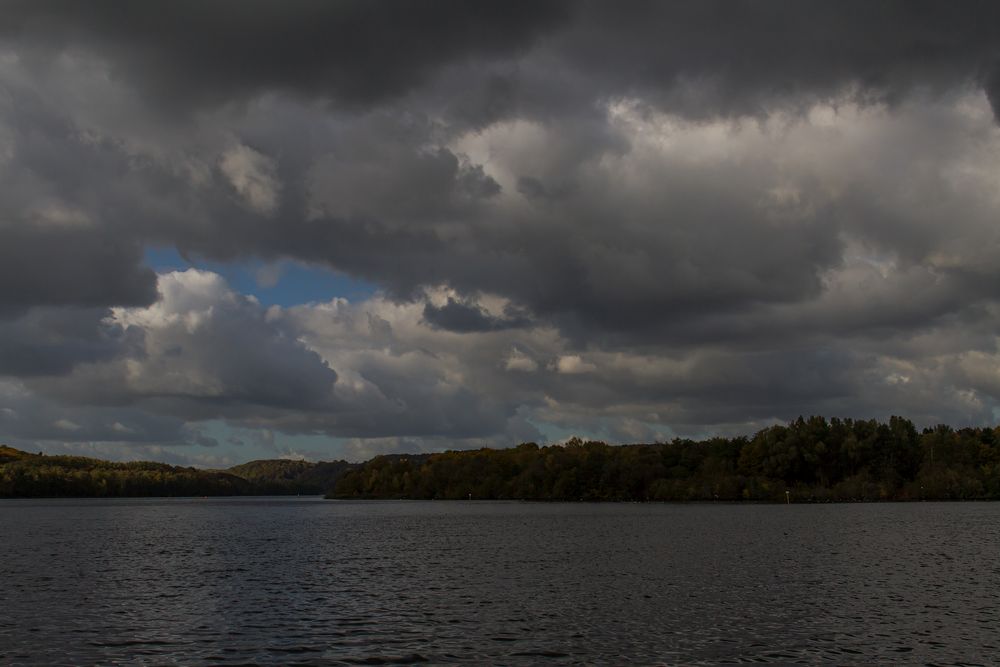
(308, 581)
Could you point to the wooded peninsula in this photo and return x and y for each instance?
(807, 460)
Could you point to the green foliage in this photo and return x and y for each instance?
(280, 476)
(813, 459)
(24, 475)
(8, 454)
(34, 475)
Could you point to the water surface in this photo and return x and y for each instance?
(308, 581)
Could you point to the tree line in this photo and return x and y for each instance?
(813, 460)
(26, 475)
(807, 460)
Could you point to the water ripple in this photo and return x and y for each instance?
(311, 582)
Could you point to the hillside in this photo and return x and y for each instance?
(280, 476)
(27, 475)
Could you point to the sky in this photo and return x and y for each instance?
(239, 229)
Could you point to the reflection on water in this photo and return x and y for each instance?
(307, 581)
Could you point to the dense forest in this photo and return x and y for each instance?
(25, 475)
(808, 460)
(280, 476)
(813, 460)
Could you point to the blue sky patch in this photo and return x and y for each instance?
(283, 283)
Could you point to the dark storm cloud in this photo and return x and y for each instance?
(373, 179)
(533, 189)
(991, 85)
(51, 341)
(691, 214)
(468, 318)
(352, 51)
(743, 54)
(697, 56)
(68, 267)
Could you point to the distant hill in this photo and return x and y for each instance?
(283, 476)
(27, 475)
(10, 454)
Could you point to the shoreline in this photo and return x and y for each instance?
(540, 501)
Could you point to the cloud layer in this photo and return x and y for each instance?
(627, 221)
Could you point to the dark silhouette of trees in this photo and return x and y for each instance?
(813, 459)
(24, 475)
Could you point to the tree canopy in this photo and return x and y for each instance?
(23, 474)
(813, 459)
